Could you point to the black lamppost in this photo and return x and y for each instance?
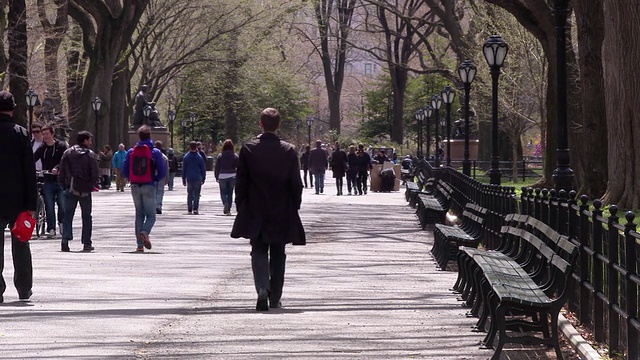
(192, 118)
(96, 104)
(309, 124)
(419, 115)
(298, 122)
(427, 116)
(467, 71)
(184, 135)
(448, 94)
(172, 118)
(32, 99)
(495, 51)
(562, 175)
(436, 104)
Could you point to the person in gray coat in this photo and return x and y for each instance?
(318, 163)
(268, 197)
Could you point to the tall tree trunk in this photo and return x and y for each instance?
(622, 92)
(593, 159)
(3, 27)
(107, 27)
(76, 64)
(119, 124)
(17, 35)
(54, 34)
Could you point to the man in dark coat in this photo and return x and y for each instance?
(318, 164)
(339, 167)
(268, 197)
(18, 193)
(304, 160)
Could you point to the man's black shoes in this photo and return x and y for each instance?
(24, 296)
(263, 300)
(65, 247)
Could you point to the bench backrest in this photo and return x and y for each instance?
(473, 219)
(547, 255)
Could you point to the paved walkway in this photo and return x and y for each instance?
(365, 287)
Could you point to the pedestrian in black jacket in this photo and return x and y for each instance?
(364, 165)
(51, 153)
(18, 193)
(268, 197)
(339, 167)
(78, 176)
(304, 161)
(352, 171)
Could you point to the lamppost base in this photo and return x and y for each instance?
(466, 167)
(563, 178)
(494, 176)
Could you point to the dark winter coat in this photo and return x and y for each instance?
(304, 160)
(339, 163)
(318, 161)
(352, 160)
(226, 163)
(269, 192)
(79, 164)
(364, 161)
(18, 182)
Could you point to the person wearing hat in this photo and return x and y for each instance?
(173, 167)
(18, 193)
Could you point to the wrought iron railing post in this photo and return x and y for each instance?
(631, 289)
(597, 272)
(582, 233)
(613, 293)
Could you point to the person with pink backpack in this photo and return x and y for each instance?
(144, 166)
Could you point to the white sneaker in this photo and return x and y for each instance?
(51, 234)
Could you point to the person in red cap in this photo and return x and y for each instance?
(18, 193)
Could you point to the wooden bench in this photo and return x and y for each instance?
(422, 185)
(433, 208)
(522, 286)
(447, 239)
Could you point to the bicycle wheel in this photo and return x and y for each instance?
(41, 217)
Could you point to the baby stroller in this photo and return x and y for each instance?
(387, 180)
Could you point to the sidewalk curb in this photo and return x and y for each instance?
(583, 348)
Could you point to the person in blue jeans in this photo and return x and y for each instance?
(225, 172)
(50, 153)
(78, 176)
(144, 193)
(193, 176)
(318, 164)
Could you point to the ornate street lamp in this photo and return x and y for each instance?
(427, 115)
(562, 175)
(495, 50)
(436, 104)
(419, 115)
(192, 118)
(309, 124)
(172, 118)
(184, 135)
(467, 71)
(96, 104)
(32, 99)
(298, 122)
(448, 94)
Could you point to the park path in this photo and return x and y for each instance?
(365, 287)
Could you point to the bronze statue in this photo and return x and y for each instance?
(141, 103)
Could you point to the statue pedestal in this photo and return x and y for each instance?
(457, 151)
(157, 133)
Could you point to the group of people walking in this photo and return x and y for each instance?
(355, 165)
(266, 174)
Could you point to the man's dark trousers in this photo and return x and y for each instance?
(23, 270)
(268, 264)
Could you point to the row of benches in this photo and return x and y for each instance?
(520, 286)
